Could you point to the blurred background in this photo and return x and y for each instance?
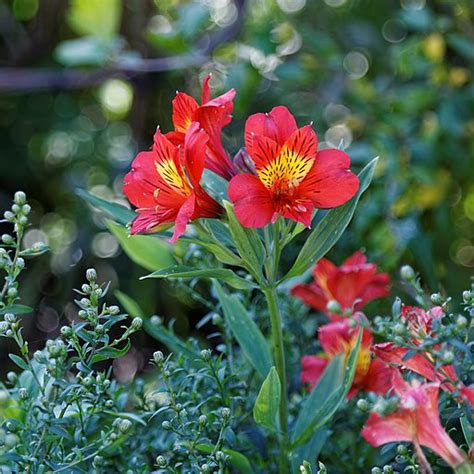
(84, 83)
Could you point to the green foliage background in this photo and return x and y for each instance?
(84, 83)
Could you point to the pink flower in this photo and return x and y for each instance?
(417, 421)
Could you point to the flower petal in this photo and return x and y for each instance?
(195, 143)
(330, 183)
(311, 294)
(253, 205)
(390, 428)
(183, 217)
(184, 107)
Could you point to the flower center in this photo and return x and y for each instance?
(168, 171)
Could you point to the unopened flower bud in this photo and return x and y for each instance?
(202, 420)
(376, 470)
(137, 323)
(98, 460)
(156, 320)
(9, 216)
(217, 319)
(220, 456)
(461, 322)
(125, 425)
(334, 307)
(399, 329)
(91, 275)
(206, 355)
(10, 317)
(363, 405)
(407, 273)
(7, 239)
(12, 377)
(205, 468)
(19, 198)
(23, 220)
(20, 263)
(447, 357)
(25, 209)
(161, 462)
(66, 331)
(225, 412)
(402, 449)
(158, 357)
(436, 298)
(466, 296)
(166, 425)
(23, 393)
(4, 327)
(387, 469)
(114, 309)
(12, 292)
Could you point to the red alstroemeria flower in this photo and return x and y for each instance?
(291, 177)
(164, 184)
(417, 421)
(352, 285)
(371, 375)
(420, 324)
(212, 115)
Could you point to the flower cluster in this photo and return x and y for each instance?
(381, 368)
(285, 174)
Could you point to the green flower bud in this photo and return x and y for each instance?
(91, 275)
(23, 393)
(225, 412)
(402, 449)
(334, 307)
(407, 273)
(202, 420)
(125, 425)
(12, 376)
(166, 425)
(7, 239)
(436, 298)
(20, 263)
(156, 320)
(461, 322)
(399, 329)
(466, 296)
(137, 323)
(387, 469)
(23, 220)
(447, 357)
(25, 209)
(205, 468)
(206, 355)
(363, 405)
(161, 462)
(114, 310)
(12, 292)
(9, 216)
(158, 357)
(220, 456)
(20, 198)
(66, 331)
(109, 404)
(3, 326)
(376, 470)
(10, 318)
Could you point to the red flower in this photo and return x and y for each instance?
(352, 285)
(291, 177)
(213, 115)
(164, 184)
(417, 421)
(420, 324)
(371, 375)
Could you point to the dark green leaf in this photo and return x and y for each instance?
(127, 415)
(247, 242)
(19, 361)
(310, 451)
(330, 228)
(247, 333)
(16, 309)
(110, 353)
(267, 404)
(222, 274)
(149, 252)
(215, 185)
(119, 213)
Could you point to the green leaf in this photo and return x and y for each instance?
(99, 18)
(119, 213)
(215, 185)
(328, 231)
(311, 449)
(238, 460)
(267, 404)
(247, 242)
(19, 361)
(149, 252)
(466, 429)
(107, 353)
(248, 335)
(326, 397)
(159, 332)
(16, 309)
(222, 274)
(222, 254)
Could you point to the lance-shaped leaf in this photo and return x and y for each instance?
(248, 335)
(238, 460)
(149, 252)
(330, 228)
(267, 404)
(326, 397)
(121, 214)
(16, 309)
(247, 242)
(222, 274)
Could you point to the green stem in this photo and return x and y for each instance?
(279, 354)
